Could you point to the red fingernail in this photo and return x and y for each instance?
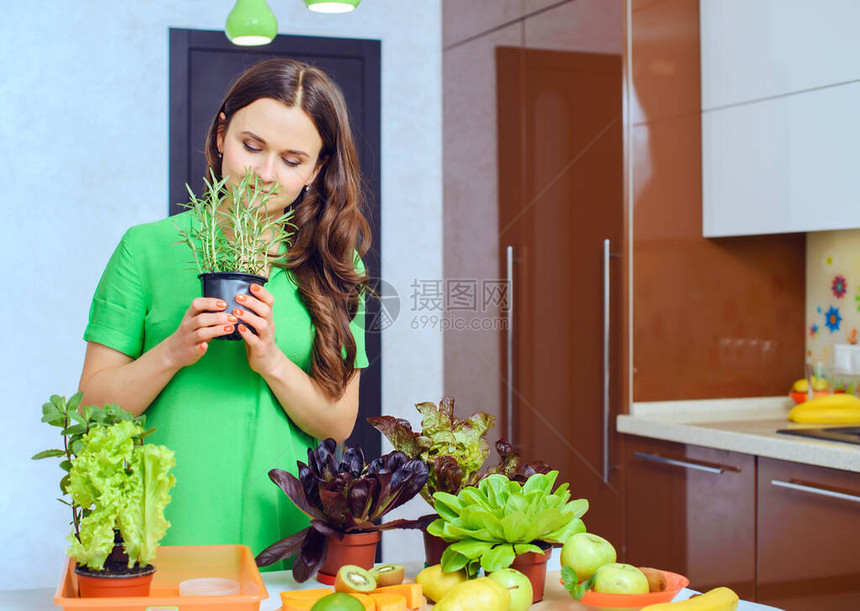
(255, 288)
(240, 298)
(222, 304)
(231, 318)
(243, 328)
(238, 312)
(202, 346)
(228, 329)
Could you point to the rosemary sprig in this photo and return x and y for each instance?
(238, 211)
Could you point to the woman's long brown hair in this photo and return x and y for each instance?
(331, 228)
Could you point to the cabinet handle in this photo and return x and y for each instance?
(510, 346)
(816, 490)
(606, 321)
(678, 463)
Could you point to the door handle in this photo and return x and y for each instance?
(510, 346)
(606, 373)
(686, 464)
(816, 490)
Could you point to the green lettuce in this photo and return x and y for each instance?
(489, 524)
(454, 449)
(121, 484)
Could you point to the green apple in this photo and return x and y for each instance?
(617, 578)
(517, 585)
(585, 553)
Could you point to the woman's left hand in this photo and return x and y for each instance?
(256, 310)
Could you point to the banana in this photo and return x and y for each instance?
(839, 399)
(826, 415)
(838, 408)
(718, 599)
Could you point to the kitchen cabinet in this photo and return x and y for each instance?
(781, 533)
(768, 48)
(782, 165)
(691, 510)
(779, 127)
(559, 222)
(807, 537)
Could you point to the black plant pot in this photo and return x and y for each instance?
(225, 286)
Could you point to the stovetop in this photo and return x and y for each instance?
(845, 434)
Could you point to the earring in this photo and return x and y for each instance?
(220, 155)
(307, 187)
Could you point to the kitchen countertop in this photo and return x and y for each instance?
(738, 425)
(555, 596)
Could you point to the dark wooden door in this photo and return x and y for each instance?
(203, 65)
(560, 197)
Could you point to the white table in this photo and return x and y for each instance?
(276, 582)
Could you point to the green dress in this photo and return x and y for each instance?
(225, 426)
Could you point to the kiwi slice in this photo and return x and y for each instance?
(352, 578)
(388, 574)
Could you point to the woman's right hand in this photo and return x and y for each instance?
(203, 320)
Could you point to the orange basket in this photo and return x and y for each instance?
(173, 566)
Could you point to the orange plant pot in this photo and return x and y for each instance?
(533, 566)
(112, 586)
(355, 548)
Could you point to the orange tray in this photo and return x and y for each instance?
(174, 565)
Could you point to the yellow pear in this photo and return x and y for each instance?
(481, 594)
(435, 583)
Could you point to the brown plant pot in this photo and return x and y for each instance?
(433, 548)
(533, 566)
(355, 548)
(97, 584)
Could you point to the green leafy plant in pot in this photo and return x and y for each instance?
(454, 450)
(232, 237)
(492, 524)
(344, 498)
(118, 488)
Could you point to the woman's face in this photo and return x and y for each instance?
(278, 142)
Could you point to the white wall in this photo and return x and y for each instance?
(84, 148)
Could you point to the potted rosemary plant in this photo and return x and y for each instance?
(454, 450)
(344, 499)
(233, 238)
(502, 522)
(118, 488)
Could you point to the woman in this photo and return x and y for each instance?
(233, 410)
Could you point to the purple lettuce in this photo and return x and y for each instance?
(341, 496)
(512, 466)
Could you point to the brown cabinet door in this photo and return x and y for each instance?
(691, 510)
(808, 537)
(560, 198)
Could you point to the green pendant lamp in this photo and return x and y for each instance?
(251, 23)
(332, 6)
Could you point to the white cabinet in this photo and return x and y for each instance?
(755, 49)
(780, 116)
